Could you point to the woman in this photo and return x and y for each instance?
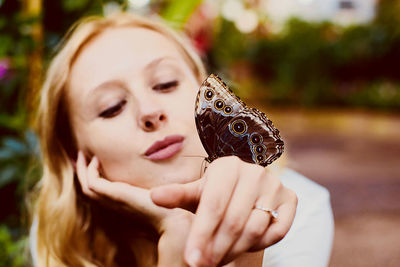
(122, 160)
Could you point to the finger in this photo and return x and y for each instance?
(186, 196)
(129, 197)
(238, 211)
(82, 175)
(252, 233)
(273, 195)
(92, 172)
(116, 191)
(138, 198)
(278, 227)
(282, 200)
(98, 185)
(211, 209)
(132, 197)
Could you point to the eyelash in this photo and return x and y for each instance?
(111, 112)
(166, 86)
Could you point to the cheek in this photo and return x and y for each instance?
(119, 161)
(184, 110)
(185, 101)
(108, 137)
(114, 146)
(189, 171)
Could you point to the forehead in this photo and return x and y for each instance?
(127, 42)
(119, 51)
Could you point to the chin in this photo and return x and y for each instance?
(181, 177)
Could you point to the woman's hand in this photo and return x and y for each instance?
(226, 222)
(226, 225)
(173, 225)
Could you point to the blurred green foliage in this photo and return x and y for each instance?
(318, 64)
(12, 253)
(18, 145)
(179, 11)
(19, 154)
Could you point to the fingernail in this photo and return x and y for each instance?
(194, 257)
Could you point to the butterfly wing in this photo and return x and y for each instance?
(209, 119)
(262, 141)
(226, 126)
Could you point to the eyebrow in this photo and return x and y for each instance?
(157, 61)
(104, 85)
(148, 67)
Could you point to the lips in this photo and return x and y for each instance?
(165, 148)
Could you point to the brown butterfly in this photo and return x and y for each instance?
(226, 126)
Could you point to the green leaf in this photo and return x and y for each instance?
(3, 21)
(7, 175)
(15, 122)
(74, 5)
(5, 45)
(12, 252)
(178, 12)
(18, 147)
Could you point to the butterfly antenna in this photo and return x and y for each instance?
(202, 163)
(193, 156)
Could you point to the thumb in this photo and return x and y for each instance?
(186, 196)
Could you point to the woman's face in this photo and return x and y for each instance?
(131, 98)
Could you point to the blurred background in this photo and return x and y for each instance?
(327, 72)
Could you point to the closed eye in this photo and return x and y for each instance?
(166, 86)
(113, 111)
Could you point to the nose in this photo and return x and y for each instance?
(151, 118)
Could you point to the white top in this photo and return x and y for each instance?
(308, 242)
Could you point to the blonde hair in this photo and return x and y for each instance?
(69, 231)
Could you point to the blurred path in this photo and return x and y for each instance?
(356, 155)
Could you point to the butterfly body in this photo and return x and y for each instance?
(226, 126)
